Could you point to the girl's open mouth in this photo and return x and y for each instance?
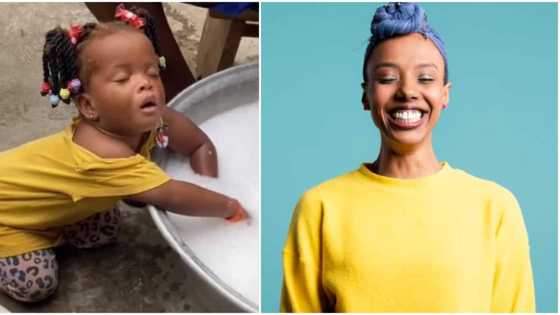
(149, 107)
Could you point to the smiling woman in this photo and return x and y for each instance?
(405, 90)
(407, 233)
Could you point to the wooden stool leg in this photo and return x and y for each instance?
(218, 45)
(236, 30)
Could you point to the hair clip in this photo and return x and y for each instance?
(162, 62)
(74, 33)
(53, 99)
(45, 88)
(74, 86)
(121, 13)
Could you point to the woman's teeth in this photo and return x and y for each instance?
(408, 116)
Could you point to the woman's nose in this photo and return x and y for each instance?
(407, 89)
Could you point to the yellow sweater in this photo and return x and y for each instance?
(449, 242)
(52, 182)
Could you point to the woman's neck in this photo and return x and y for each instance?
(413, 163)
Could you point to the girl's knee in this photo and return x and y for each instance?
(32, 291)
(95, 231)
(30, 277)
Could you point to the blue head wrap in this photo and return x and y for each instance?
(395, 19)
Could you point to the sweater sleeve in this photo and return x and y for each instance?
(302, 288)
(513, 280)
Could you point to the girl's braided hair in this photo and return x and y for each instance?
(62, 66)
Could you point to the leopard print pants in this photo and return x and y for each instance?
(33, 276)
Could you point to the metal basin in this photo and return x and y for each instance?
(215, 95)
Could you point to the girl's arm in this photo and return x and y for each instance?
(188, 199)
(187, 139)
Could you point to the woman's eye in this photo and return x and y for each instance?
(425, 79)
(386, 80)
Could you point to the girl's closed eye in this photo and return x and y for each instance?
(120, 78)
(153, 71)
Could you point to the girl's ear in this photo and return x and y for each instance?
(86, 106)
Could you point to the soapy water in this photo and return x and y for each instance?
(229, 250)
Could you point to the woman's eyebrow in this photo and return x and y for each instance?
(385, 64)
(424, 65)
(394, 65)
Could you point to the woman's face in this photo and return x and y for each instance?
(405, 90)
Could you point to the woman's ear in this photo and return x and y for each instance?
(365, 102)
(446, 90)
(86, 107)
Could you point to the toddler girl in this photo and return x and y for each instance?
(63, 188)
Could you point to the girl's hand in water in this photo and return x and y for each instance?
(189, 199)
(187, 139)
(204, 160)
(239, 213)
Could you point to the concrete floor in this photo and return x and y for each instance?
(141, 273)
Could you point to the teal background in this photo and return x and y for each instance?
(501, 123)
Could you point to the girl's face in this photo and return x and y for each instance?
(405, 90)
(123, 91)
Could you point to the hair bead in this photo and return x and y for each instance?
(45, 88)
(53, 99)
(74, 86)
(162, 62)
(64, 94)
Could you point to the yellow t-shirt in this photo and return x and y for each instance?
(449, 242)
(52, 182)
